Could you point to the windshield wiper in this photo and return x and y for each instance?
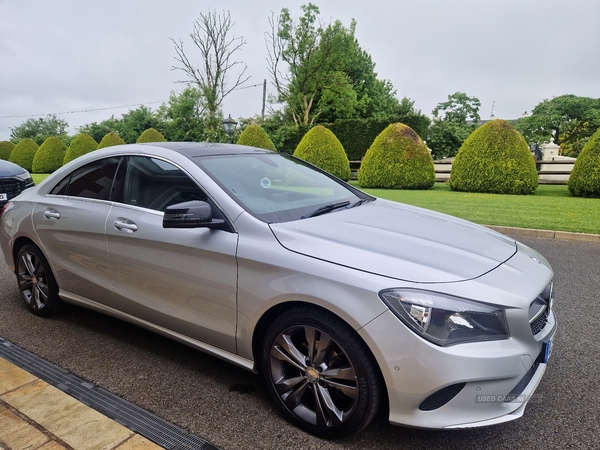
(361, 201)
(327, 208)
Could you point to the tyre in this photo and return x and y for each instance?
(320, 373)
(36, 282)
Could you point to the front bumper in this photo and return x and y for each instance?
(461, 386)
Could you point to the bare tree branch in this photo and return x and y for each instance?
(212, 37)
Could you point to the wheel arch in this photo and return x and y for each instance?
(269, 316)
(19, 243)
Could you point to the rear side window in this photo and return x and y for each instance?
(94, 180)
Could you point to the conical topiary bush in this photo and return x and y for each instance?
(6, 148)
(322, 148)
(23, 153)
(397, 159)
(80, 145)
(254, 136)
(49, 156)
(585, 177)
(151, 135)
(110, 139)
(495, 159)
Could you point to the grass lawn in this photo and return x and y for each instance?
(551, 208)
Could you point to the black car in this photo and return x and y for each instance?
(13, 180)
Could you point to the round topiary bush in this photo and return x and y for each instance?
(151, 135)
(110, 139)
(254, 136)
(321, 147)
(23, 153)
(585, 177)
(6, 148)
(49, 156)
(397, 159)
(495, 159)
(80, 145)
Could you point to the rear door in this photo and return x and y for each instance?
(70, 223)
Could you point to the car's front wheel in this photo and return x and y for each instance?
(320, 372)
(36, 282)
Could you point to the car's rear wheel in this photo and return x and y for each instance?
(320, 372)
(36, 282)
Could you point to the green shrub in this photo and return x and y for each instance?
(49, 156)
(23, 153)
(320, 147)
(495, 159)
(80, 145)
(254, 136)
(585, 177)
(151, 135)
(110, 139)
(397, 159)
(6, 148)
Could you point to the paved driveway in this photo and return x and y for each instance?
(231, 408)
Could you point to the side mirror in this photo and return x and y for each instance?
(193, 214)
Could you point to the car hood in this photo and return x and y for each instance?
(398, 241)
(8, 169)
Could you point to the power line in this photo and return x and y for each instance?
(80, 111)
(101, 109)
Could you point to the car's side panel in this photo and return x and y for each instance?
(184, 280)
(70, 231)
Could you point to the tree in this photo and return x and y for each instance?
(110, 139)
(6, 149)
(397, 159)
(80, 145)
(451, 124)
(322, 74)
(585, 177)
(98, 130)
(151, 135)
(40, 129)
(24, 152)
(134, 122)
(323, 149)
(254, 136)
(494, 159)
(302, 56)
(570, 119)
(212, 37)
(183, 118)
(49, 156)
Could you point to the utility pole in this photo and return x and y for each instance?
(264, 99)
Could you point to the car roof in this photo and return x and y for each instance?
(195, 149)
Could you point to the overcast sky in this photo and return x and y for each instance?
(58, 56)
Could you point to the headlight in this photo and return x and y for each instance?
(444, 319)
(26, 177)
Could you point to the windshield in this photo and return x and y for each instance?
(278, 188)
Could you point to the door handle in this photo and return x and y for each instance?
(125, 225)
(52, 214)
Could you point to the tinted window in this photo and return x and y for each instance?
(94, 180)
(155, 184)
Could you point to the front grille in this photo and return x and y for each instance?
(10, 187)
(540, 308)
(441, 397)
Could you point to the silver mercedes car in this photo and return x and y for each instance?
(345, 303)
